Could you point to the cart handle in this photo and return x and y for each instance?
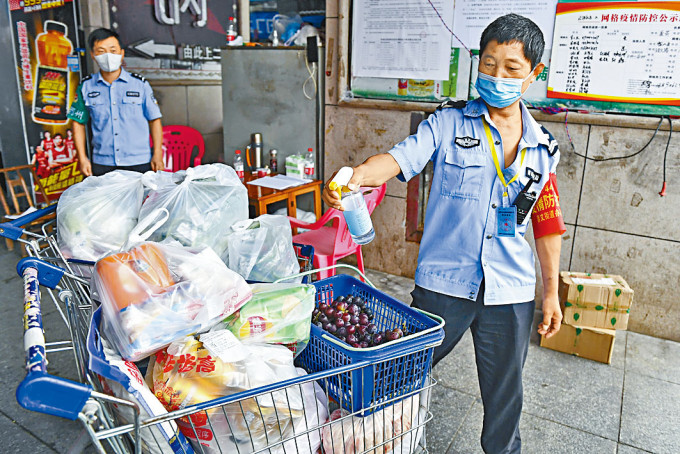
(14, 229)
(40, 391)
(332, 267)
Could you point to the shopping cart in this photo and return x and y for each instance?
(396, 420)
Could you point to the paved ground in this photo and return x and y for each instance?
(572, 405)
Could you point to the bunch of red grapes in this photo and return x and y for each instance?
(349, 319)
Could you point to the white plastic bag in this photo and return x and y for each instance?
(195, 207)
(376, 433)
(261, 249)
(95, 217)
(193, 371)
(157, 293)
(304, 216)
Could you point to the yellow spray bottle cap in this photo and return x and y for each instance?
(341, 180)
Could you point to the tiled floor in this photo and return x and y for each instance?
(571, 405)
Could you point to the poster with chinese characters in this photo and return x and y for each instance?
(45, 37)
(617, 52)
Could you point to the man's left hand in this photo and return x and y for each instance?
(552, 316)
(157, 163)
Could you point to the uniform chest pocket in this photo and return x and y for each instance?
(463, 173)
(132, 104)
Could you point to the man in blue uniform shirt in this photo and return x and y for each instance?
(475, 269)
(123, 110)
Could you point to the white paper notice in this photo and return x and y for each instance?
(472, 16)
(615, 53)
(401, 39)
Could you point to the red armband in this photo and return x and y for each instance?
(546, 216)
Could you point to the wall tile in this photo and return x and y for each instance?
(650, 266)
(570, 168)
(205, 108)
(623, 195)
(173, 104)
(352, 135)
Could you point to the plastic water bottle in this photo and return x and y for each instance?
(356, 212)
(238, 164)
(309, 164)
(231, 30)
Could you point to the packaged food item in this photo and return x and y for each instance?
(157, 293)
(295, 166)
(123, 379)
(261, 249)
(192, 371)
(195, 207)
(95, 216)
(374, 433)
(276, 314)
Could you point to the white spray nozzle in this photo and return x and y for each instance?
(341, 180)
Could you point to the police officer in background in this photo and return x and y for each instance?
(123, 110)
(494, 172)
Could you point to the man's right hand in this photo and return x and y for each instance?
(85, 166)
(332, 198)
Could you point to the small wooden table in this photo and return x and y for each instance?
(261, 197)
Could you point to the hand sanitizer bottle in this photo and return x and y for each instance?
(356, 212)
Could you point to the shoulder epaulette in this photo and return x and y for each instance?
(452, 104)
(88, 77)
(551, 143)
(138, 76)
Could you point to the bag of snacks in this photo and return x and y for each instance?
(192, 371)
(276, 314)
(155, 293)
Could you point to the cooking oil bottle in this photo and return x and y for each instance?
(51, 96)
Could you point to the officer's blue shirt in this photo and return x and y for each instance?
(120, 114)
(460, 245)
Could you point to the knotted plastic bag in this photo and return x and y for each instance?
(95, 216)
(261, 249)
(195, 207)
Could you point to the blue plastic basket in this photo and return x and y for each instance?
(396, 368)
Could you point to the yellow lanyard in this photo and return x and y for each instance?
(489, 138)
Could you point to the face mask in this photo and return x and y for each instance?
(499, 91)
(109, 62)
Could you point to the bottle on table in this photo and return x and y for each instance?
(273, 164)
(238, 164)
(231, 30)
(356, 212)
(310, 164)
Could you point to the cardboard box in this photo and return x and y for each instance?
(595, 300)
(591, 343)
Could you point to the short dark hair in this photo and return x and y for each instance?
(515, 28)
(101, 34)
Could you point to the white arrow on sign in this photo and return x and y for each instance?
(149, 48)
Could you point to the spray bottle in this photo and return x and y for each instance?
(356, 212)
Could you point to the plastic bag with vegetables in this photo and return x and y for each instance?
(276, 314)
(155, 293)
(195, 207)
(261, 249)
(95, 216)
(193, 371)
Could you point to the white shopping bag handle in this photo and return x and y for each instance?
(144, 229)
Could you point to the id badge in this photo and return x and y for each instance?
(507, 219)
